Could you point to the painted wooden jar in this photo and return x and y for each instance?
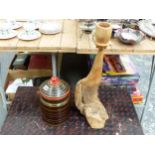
(54, 96)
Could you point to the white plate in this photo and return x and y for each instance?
(116, 26)
(14, 25)
(50, 28)
(29, 36)
(11, 34)
(153, 21)
(33, 25)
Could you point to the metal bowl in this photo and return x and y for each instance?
(88, 25)
(130, 36)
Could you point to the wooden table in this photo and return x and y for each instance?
(72, 40)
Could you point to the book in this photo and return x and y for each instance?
(115, 65)
(40, 61)
(21, 61)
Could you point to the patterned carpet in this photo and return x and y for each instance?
(24, 116)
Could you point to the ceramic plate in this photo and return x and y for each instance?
(32, 25)
(33, 35)
(14, 25)
(130, 36)
(153, 21)
(10, 34)
(116, 26)
(147, 27)
(50, 28)
(86, 27)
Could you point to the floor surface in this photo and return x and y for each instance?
(143, 64)
(24, 117)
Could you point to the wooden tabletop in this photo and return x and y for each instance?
(73, 40)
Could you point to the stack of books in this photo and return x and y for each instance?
(119, 70)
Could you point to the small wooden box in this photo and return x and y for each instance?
(14, 74)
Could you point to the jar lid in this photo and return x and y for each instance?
(54, 89)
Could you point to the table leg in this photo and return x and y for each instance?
(54, 68)
(149, 88)
(59, 62)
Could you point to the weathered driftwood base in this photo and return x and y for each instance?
(86, 95)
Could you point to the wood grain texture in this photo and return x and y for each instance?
(86, 95)
(51, 42)
(31, 73)
(147, 46)
(69, 36)
(73, 40)
(83, 43)
(28, 45)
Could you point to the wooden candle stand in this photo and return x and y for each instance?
(86, 92)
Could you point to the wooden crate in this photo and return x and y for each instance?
(14, 74)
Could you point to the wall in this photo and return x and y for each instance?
(5, 60)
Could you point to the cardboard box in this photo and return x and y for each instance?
(14, 74)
